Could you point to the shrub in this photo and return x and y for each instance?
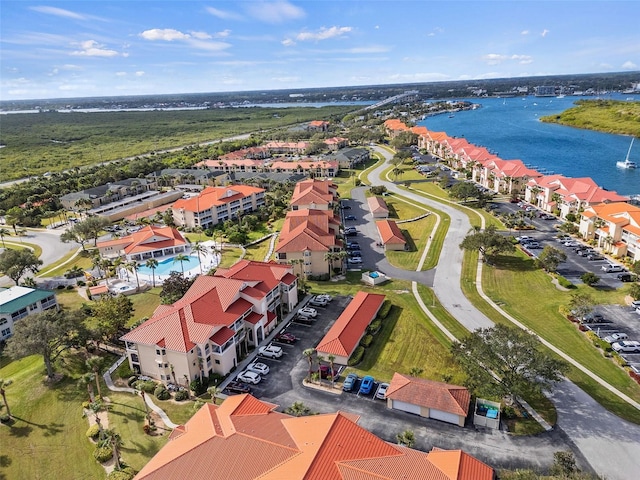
(589, 278)
(86, 405)
(102, 454)
(366, 340)
(509, 412)
(70, 287)
(5, 419)
(356, 357)
(60, 287)
(93, 431)
(181, 395)
(385, 309)
(81, 283)
(132, 379)
(127, 473)
(374, 326)
(147, 386)
(162, 393)
(564, 282)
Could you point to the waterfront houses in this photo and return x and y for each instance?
(615, 227)
(212, 326)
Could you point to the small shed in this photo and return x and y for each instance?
(390, 235)
(378, 207)
(98, 292)
(429, 399)
(486, 414)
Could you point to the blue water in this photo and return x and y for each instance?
(510, 128)
(166, 266)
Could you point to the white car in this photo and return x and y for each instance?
(626, 346)
(308, 312)
(354, 260)
(258, 367)
(382, 391)
(635, 304)
(318, 302)
(249, 377)
(615, 337)
(270, 351)
(325, 296)
(610, 268)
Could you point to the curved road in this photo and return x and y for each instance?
(610, 444)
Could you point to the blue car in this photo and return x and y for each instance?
(349, 382)
(367, 385)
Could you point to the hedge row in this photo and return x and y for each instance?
(356, 357)
(385, 309)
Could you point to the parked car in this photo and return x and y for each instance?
(349, 382)
(571, 243)
(635, 303)
(249, 377)
(615, 337)
(304, 319)
(523, 238)
(326, 296)
(308, 312)
(238, 387)
(350, 217)
(318, 302)
(350, 229)
(627, 346)
(626, 277)
(382, 390)
(611, 268)
(345, 206)
(533, 245)
(325, 372)
(593, 318)
(285, 337)
(546, 216)
(563, 238)
(367, 385)
(353, 245)
(594, 256)
(351, 233)
(354, 260)
(258, 367)
(586, 252)
(270, 351)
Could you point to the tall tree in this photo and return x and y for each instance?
(308, 354)
(5, 383)
(15, 263)
(3, 233)
(199, 249)
(94, 364)
(550, 258)
(49, 334)
(174, 288)
(506, 361)
(581, 304)
(152, 263)
(133, 266)
(112, 314)
(181, 257)
(488, 242)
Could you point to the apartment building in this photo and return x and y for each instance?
(19, 302)
(615, 227)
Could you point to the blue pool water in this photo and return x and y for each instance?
(374, 275)
(168, 265)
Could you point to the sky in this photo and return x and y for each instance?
(87, 48)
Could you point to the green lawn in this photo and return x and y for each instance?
(60, 267)
(48, 437)
(258, 251)
(18, 244)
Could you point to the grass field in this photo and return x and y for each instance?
(61, 266)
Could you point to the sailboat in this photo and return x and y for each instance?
(627, 163)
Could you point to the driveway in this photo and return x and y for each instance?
(611, 445)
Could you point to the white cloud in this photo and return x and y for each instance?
(139, 73)
(524, 32)
(419, 77)
(323, 34)
(222, 34)
(544, 33)
(287, 42)
(201, 35)
(91, 48)
(274, 12)
(496, 59)
(435, 31)
(166, 34)
(223, 14)
(59, 12)
(628, 65)
(121, 74)
(286, 79)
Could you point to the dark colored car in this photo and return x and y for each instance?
(285, 337)
(345, 206)
(626, 277)
(237, 387)
(325, 372)
(350, 217)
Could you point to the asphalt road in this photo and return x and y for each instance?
(609, 444)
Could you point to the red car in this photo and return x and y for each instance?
(285, 337)
(325, 372)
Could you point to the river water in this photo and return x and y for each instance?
(510, 128)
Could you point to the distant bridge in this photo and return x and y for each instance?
(393, 99)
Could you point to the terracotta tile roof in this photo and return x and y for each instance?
(390, 233)
(307, 230)
(287, 145)
(430, 394)
(146, 239)
(459, 465)
(210, 304)
(267, 275)
(214, 196)
(377, 205)
(323, 447)
(318, 123)
(343, 337)
(582, 189)
(98, 290)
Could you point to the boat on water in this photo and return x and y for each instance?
(628, 164)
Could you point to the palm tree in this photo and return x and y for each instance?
(199, 248)
(308, 354)
(94, 364)
(132, 266)
(396, 172)
(113, 440)
(213, 391)
(3, 232)
(330, 257)
(297, 409)
(152, 263)
(87, 380)
(5, 383)
(341, 255)
(331, 359)
(181, 257)
(106, 265)
(406, 438)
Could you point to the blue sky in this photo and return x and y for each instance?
(86, 48)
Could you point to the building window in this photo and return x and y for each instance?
(217, 361)
(5, 332)
(160, 351)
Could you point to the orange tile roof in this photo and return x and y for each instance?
(214, 196)
(318, 123)
(305, 165)
(222, 438)
(389, 232)
(430, 394)
(146, 239)
(210, 304)
(377, 205)
(343, 337)
(268, 273)
(307, 230)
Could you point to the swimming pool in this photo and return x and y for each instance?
(168, 265)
